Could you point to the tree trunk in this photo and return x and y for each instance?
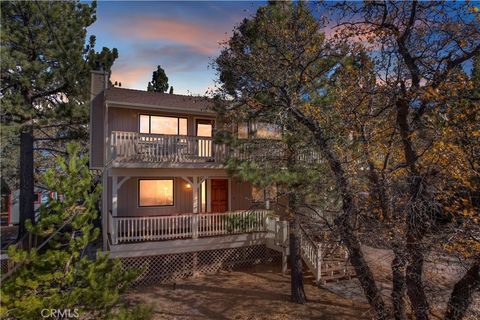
(349, 209)
(362, 270)
(297, 289)
(415, 220)
(414, 281)
(398, 285)
(462, 293)
(26, 208)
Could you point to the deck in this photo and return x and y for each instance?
(129, 149)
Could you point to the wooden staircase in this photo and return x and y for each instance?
(325, 260)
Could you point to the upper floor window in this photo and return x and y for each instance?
(259, 130)
(163, 125)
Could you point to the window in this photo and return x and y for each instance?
(155, 193)
(264, 130)
(259, 130)
(163, 125)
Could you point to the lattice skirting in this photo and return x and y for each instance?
(166, 268)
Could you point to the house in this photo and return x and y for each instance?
(166, 188)
(168, 203)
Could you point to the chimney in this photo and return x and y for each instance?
(99, 82)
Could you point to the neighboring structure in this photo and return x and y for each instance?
(168, 203)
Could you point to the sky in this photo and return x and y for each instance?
(181, 36)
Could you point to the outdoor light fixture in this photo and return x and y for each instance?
(188, 186)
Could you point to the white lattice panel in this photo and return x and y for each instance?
(165, 268)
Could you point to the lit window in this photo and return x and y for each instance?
(242, 131)
(155, 193)
(163, 125)
(264, 130)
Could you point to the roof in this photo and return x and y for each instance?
(157, 99)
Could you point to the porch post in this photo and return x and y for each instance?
(195, 186)
(114, 195)
(114, 207)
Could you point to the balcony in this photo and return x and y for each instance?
(133, 147)
(140, 147)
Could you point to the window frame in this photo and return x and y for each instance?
(159, 115)
(157, 205)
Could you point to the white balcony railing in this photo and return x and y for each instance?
(155, 228)
(140, 147)
(134, 146)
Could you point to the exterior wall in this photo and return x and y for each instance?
(241, 194)
(123, 119)
(97, 143)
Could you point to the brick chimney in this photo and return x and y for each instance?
(99, 82)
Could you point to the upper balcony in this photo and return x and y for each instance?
(130, 149)
(133, 147)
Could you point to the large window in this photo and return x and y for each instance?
(163, 125)
(155, 193)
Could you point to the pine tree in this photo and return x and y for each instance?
(45, 76)
(159, 81)
(62, 274)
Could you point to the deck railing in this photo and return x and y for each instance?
(156, 228)
(141, 147)
(134, 146)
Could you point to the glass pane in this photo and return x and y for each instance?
(182, 125)
(163, 125)
(144, 124)
(203, 196)
(268, 131)
(204, 130)
(156, 193)
(242, 131)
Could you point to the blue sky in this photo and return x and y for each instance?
(181, 36)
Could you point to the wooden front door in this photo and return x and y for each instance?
(219, 196)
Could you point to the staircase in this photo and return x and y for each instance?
(326, 261)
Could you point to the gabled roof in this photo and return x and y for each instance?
(157, 99)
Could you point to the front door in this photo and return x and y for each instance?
(219, 196)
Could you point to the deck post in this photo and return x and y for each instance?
(318, 269)
(194, 226)
(114, 195)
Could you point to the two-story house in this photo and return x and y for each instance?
(166, 190)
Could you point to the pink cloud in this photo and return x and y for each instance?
(131, 77)
(202, 38)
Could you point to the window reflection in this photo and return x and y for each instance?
(155, 193)
(163, 125)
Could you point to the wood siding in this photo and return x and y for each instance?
(123, 119)
(128, 198)
(97, 143)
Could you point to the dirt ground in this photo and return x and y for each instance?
(262, 292)
(259, 293)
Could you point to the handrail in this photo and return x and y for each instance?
(156, 228)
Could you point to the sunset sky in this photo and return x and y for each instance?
(182, 37)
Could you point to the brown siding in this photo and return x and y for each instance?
(96, 132)
(122, 119)
(241, 195)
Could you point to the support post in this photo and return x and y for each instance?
(318, 269)
(114, 195)
(26, 208)
(194, 226)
